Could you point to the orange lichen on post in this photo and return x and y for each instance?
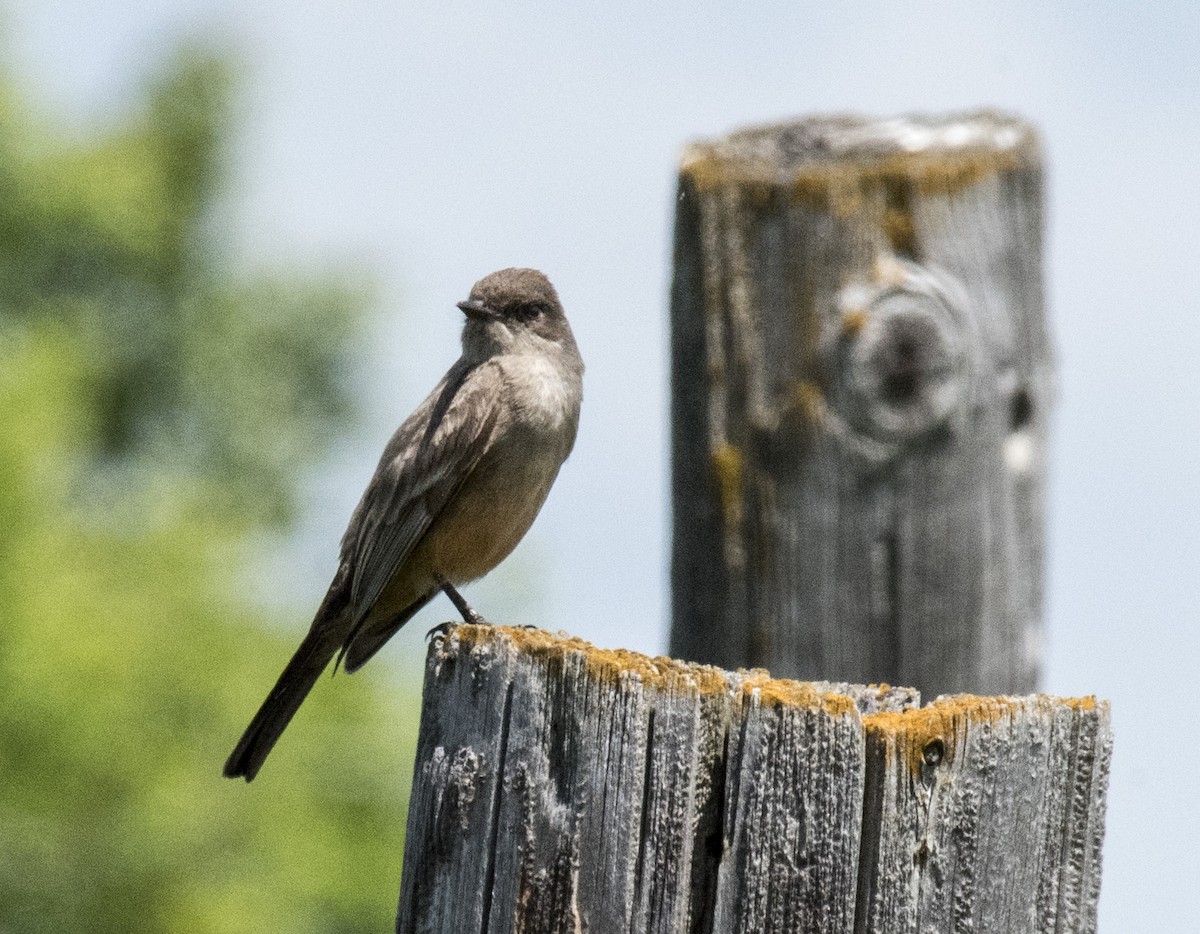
(781, 692)
(915, 732)
(843, 188)
(844, 184)
(809, 401)
(1086, 703)
(727, 466)
(899, 228)
(853, 321)
(710, 167)
(703, 168)
(606, 665)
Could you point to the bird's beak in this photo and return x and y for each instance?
(474, 308)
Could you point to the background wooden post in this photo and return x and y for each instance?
(563, 788)
(861, 383)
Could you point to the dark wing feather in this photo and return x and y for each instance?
(423, 466)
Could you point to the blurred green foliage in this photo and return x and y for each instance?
(157, 409)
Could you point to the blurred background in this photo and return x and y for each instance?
(231, 239)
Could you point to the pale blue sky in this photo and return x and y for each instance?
(441, 141)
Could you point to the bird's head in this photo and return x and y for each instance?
(515, 307)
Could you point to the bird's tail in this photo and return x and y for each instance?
(311, 658)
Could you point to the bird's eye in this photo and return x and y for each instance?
(533, 310)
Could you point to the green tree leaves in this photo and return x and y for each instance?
(115, 238)
(156, 408)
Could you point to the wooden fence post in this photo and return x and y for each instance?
(561, 788)
(861, 382)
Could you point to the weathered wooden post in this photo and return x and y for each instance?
(861, 383)
(563, 788)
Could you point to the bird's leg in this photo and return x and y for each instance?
(468, 614)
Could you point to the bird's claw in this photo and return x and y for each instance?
(470, 617)
(441, 630)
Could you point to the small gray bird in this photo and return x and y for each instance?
(458, 486)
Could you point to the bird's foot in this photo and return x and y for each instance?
(441, 630)
(470, 617)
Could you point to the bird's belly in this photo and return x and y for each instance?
(494, 509)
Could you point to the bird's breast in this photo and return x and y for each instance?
(496, 505)
(543, 394)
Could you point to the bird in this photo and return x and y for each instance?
(457, 487)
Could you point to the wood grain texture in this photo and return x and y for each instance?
(793, 805)
(564, 788)
(985, 814)
(861, 382)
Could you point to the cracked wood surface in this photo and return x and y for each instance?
(861, 381)
(563, 788)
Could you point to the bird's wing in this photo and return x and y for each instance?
(424, 464)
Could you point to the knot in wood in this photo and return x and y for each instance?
(934, 752)
(902, 359)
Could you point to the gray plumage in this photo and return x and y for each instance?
(457, 487)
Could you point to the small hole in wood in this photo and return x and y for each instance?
(902, 376)
(933, 752)
(1020, 410)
